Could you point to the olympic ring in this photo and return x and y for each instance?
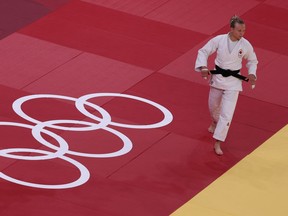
(60, 151)
(126, 148)
(18, 103)
(167, 115)
(84, 174)
(41, 127)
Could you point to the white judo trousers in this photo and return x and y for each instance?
(222, 104)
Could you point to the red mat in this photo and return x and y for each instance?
(75, 26)
(56, 159)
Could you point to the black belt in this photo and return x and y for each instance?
(227, 73)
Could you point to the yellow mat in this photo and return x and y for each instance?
(256, 186)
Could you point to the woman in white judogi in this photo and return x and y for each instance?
(231, 48)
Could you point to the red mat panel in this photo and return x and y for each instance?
(9, 140)
(137, 7)
(103, 142)
(52, 4)
(174, 172)
(77, 31)
(131, 26)
(26, 59)
(278, 3)
(183, 67)
(8, 97)
(44, 204)
(197, 15)
(113, 197)
(243, 138)
(57, 171)
(260, 114)
(89, 73)
(268, 15)
(271, 88)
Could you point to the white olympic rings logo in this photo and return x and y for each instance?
(60, 152)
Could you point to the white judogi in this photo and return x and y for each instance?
(225, 90)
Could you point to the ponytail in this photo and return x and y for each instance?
(235, 19)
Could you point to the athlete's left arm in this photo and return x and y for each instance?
(251, 63)
(251, 59)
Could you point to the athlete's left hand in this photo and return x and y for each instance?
(252, 79)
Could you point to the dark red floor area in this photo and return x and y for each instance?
(15, 14)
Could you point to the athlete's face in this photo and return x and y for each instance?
(237, 32)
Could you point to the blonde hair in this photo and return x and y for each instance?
(235, 19)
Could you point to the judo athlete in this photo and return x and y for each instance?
(226, 79)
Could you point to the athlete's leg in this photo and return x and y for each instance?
(214, 103)
(228, 105)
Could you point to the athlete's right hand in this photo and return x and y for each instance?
(204, 72)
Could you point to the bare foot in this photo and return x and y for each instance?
(217, 148)
(212, 127)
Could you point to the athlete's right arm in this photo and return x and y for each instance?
(203, 54)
